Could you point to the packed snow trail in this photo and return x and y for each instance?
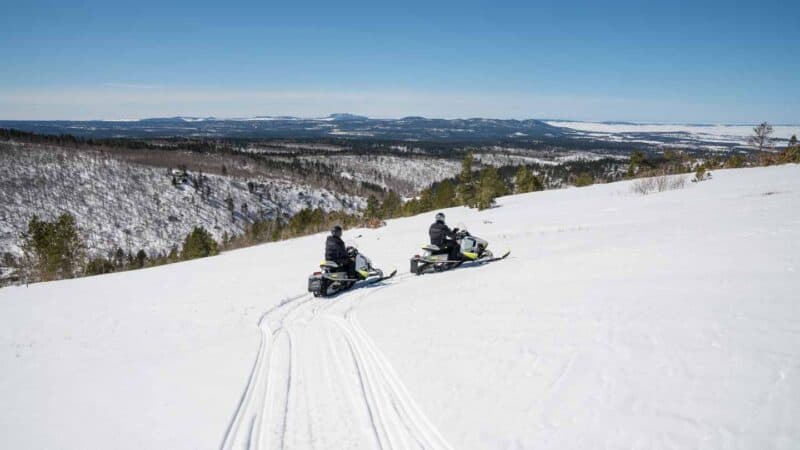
(318, 381)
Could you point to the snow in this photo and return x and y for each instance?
(620, 320)
(129, 206)
(405, 175)
(740, 131)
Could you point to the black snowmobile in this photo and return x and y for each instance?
(472, 249)
(332, 279)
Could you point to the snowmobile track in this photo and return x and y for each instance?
(319, 381)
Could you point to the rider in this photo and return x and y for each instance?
(336, 251)
(445, 238)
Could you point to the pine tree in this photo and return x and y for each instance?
(490, 186)
(141, 258)
(636, 160)
(466, 185)
(98, 266)
(373, 210)
(526, 181)
(761, 137)
(119, 258)
(198, 244)
(584, 179)
(392, 205)
(53, 249)
(444, 195)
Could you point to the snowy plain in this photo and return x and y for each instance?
(741, 131)
(667, 320)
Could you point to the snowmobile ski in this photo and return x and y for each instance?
(498, 258)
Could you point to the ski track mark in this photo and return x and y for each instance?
(359, 399)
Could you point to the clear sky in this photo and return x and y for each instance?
(698, 61)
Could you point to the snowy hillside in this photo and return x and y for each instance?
(407, 176)
(118, 204)
(668, 320)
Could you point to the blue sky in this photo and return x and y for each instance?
(669, 61)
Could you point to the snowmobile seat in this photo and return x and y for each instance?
(329, 265)
(432, 248)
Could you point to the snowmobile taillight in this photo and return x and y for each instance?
(416, 256)
(317, 273)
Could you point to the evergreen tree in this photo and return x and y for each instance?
(53, 249)
(734, 162)
(466, 185)
(444, 195)
(98, 266)
(793, 141)
(373, 210)
(119, 258)
(199, 244)
(141, 258)
(425, 201)
(636, 160)
(392, 205)
(761, 137)
(490, 186)
(526, 181)
(584, 179)
(173, 253)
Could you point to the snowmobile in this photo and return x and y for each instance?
(435, 259)
(331, 279)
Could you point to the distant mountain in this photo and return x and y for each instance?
(347, 116)
(342, 125)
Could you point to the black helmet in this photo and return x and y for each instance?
(337, 231)
(440, 217)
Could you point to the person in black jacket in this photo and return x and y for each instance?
(445, 238)
(336, 251)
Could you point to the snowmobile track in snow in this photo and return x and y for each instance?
(319, 381)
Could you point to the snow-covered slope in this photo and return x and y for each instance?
(620, 321)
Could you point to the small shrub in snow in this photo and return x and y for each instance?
(701, 175)
(660, 183)
(644, 186)
(677, 182)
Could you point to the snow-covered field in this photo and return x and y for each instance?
(707, 134)
(620, 321)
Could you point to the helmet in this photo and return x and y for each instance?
(440, 217)
(336, 231)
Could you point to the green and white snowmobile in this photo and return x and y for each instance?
(472, 250)
(331, 279)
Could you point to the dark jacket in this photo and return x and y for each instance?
(440, 233)
(335, 250)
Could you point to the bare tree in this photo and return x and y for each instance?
(761, 137)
